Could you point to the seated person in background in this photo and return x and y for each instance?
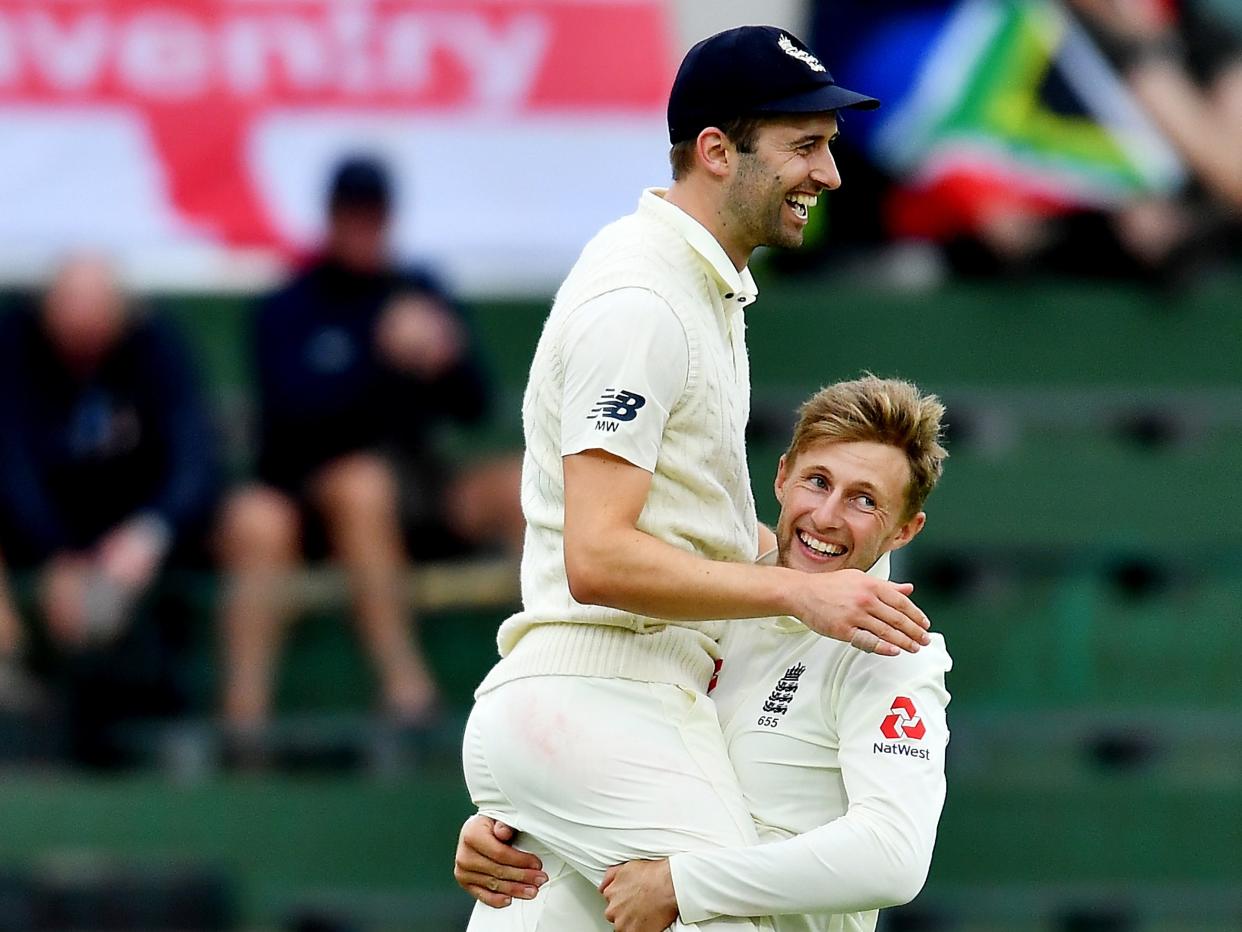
(840, 754)
(106, 465)
(355, 359)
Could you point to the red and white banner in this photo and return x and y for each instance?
(189, 136)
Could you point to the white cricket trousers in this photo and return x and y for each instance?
(602, 771)
(568, 902)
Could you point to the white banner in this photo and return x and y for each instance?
(193, 139)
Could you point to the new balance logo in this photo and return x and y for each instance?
(903, 721)
(778, 700)
(617, 405)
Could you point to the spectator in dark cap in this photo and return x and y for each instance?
(358, 363)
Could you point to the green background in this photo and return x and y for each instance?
(1083, 558)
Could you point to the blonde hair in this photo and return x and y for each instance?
(888, 411)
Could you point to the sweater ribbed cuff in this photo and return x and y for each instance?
(674, 654)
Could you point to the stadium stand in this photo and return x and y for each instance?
(1083, 558)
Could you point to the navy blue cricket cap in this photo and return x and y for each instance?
(748, 71)
(360, 181)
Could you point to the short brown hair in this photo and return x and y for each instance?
(742, 132)
(888, 411)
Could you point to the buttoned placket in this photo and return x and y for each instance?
(732, 306)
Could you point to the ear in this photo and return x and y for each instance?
(781, 478)
(908, 531)
(715, 151)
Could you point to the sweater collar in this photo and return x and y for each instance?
(737, 289)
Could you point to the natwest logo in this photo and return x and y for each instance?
(903, 721)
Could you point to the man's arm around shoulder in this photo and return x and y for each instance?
(609, 561)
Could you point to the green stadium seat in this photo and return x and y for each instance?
(1087, 576)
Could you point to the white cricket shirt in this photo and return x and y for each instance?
(840, 756)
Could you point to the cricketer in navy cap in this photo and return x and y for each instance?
(752, 70)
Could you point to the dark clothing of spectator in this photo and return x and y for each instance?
(80, 455)
(324, 389)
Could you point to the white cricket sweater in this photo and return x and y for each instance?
(664, 263)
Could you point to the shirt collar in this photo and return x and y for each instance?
(737, 289)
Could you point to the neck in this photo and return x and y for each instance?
(704, 205)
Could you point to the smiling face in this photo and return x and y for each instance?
(769, 196)
(843, 505)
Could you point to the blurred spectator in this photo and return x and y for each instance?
(1184, 64)
(358, 362)
(1015, 144)
(106, 467)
